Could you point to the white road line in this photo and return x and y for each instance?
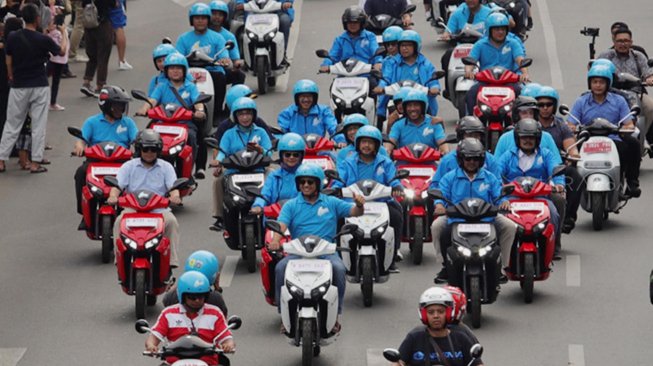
(184, 3)
(573, 270)
(550, 43)
(228, 270)
(576, 355)
(375, 357)
(282, 81)
(11, 356)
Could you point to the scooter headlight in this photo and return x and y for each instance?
(485, 109)
(319, 291)
(464, 251)
(507, 108)
(252, 36)
(409, 194)
(485, 250)
(540, 227)
(339, 102)
(96, 191)
(152, 242)
(129, 243)
(270, 36)
(176, 149)
(295, 290)
(378, 231)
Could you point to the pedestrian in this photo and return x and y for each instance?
(24, 144)
(77, 33)
(56, 65)
(118, 18)
(26, 53)
(99, 41)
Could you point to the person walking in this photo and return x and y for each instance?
(56, 67)
(119, 22)
(99, 42)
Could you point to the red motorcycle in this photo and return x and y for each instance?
(142, 251)
(420, 161)
(494, 99)
(318, 151)
(104, 159)
(532, 251)
(270, 258)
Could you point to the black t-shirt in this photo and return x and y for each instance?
(30, 51)
(560, 131)
(416, 348)
(215, 298)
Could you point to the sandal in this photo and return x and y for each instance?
(44, 162)
(40, 169)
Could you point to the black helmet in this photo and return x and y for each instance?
(110, 95)
(470, 147)
(354, 14)
(148, 138)
(528, 127)
(523, 103)
(469, 124)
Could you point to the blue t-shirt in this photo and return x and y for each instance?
(319, 218)
(406, 133)
(459, 18)
(97, 129)
(507, 143)
(163, 93)
(210, 43)
(505, 55)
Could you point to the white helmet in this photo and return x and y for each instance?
(435, 296)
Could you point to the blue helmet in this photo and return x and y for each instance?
(495, 20)
(204, 262)
(310, 170)
(305, 86)
(392, 34)
(241, 104)
(530, 89)
(192, 282)
(355, 119)
(416, 96)
(238, 91)
(401, 94)
(370, 132)
(604, 62)
(548, 92)
(411, 36)
(600, 71)
(162, 50)
(291, 142)
(198, 10)
(219, 5)
(175, 59)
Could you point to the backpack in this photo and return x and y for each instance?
(90, 17)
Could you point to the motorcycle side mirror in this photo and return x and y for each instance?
(142, 326)
(332, 174)
(166, 40)
(438, 75)
(401, 174)
(140, 95)
(275, 130)
(229, 45)
(180, 184)
(203, 98)
(274, 226)
(435, 194)
(76, 132)
(348, 229)
(476, 351)
(380, 51)
(111, 181)
(584, 135)
(410, 8)
(322, 53)
(559, 170)
(234, 322)
(526, 62)
(635, 110)
(563, 109)
(212, 142)
(391, 355)
(469, 61)
(507, 190)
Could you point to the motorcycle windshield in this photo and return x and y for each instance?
(245, 160)
(472, 209)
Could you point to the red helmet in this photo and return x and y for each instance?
(459, 302)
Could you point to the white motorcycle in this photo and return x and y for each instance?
(600, 168)
(263, 42)
(349, 91)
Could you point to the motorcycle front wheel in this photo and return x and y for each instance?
(307, 342)
(260, 74)
(598, 208)
(249, 249)
(139, 293)
(475, 300)
(367, 284)
(107, 238)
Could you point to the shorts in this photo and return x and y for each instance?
(118, 17)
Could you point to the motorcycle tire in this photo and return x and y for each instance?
(367, 284)
(529, 277)
(151, 300)
(307, 342)
(651, 287)
(249, 249)
(272, 81)
(493, 140)
(259, 67)
(107, 239)
(598, 208)
(475, 301)
(459, 103)
(418, 241)
(139, 293)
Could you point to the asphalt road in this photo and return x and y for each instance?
(59, 305)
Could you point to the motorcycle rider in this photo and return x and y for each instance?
(207, 264)
(159, 55)
(428, 344)
(192, 316)
(235, 92)
(547, 102)
(219, 16)
(496, 49)
(112, 124)
(306, 116)
(394, 8)
(148, 172)
(414, 126)
(368, 163)
(286, 17)
(203, 39)
(398, 113)
(314, 213)
(390, 41)
(601, 103)
(469, 180)
(244, 135)
(349, 128)
(411, 64)
(458, 311)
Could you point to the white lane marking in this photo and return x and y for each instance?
(375, 357)
(11, 356)
(550, 43)
(228, 270)
(576, 355)
(184, 3)
(282, 81)
(573, 270)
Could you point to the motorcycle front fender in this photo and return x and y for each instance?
(527, 247)
(141, 263)
(307, 313)
(107, 210)
(474, 270)
(495, 126)
(417, 211)
(598, 183)
(261, 52)
(366, 250)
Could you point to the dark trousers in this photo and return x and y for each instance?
(396, 221)
(202, 151)
(80, 181)
(574, 186)
(56, 70)
(629, 156)
(99, 42)
(219, 91)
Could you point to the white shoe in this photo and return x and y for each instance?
(81, 58)
(124, 65)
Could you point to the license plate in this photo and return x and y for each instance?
(527, 206)
(500, 92)
(168, 130)
(199, 76)
(374, 209)
(421, 172)
(323, 163)
(474, 228)
(261, 19)
(246, 178)
(597, 147)
(310, 266)
(141, 222)
(461, 52)
(104, 170)
(349, 83)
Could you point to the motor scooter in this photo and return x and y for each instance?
(309, 300)
(420, 161)
(380, 22)
(319, 151)
(445, 9)
(189, 349)
(104, 159)
(270, 258)
(263, 43)
(392, 355)
(142, 249)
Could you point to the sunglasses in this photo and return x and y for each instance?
(291, 154)
(310, 182)
(149, 149)
(472, 158)
(544, 105)
(195, 297)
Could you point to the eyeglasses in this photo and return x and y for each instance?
(149, 149)
(195, 297)
(291, 154)
(310, 182)
(472, 158)
(623, 41)
(544, 105)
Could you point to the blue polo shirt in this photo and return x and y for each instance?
(163, 93)
(353, 169)
(133, 176)
(459, 18)
(614, 108)
(362, 48)
(235, 139)
(210, 43)
(234, 53)
(319, 120)
(489, 55)
(279, 185)
(98, 129)
(507, 143)
(319, 218)
(405, 132)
